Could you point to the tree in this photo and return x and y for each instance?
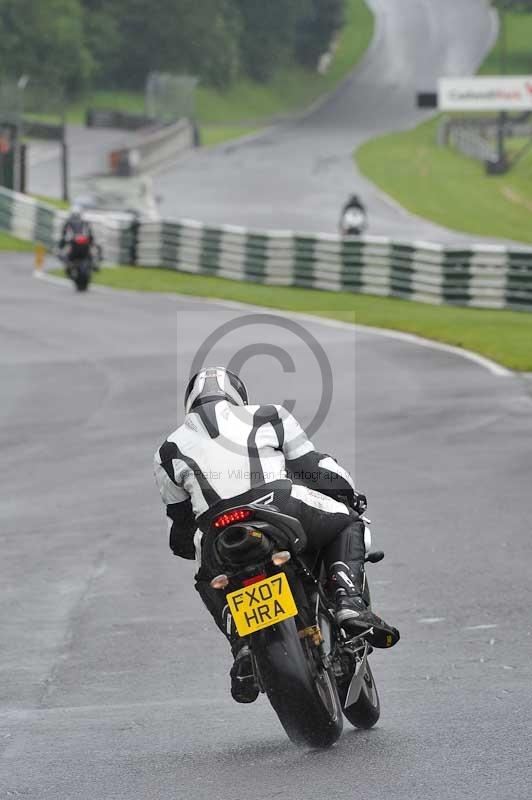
(316, 30)
(103, 38)
(208, 40)
(193, 36)
(269, 33)
(45, 40)
(118, 43)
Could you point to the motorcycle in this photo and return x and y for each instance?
(311, 670)
(353, 222)
(81, 260)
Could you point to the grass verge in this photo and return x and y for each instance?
(516, 41)
(504, 336)
(8, 242)
(447, 187)
(212, 135)
(52, 201)
(131, 102)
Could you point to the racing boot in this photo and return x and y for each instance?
(244, 688)
(355, 617)
(344, 560)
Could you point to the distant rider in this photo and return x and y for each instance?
(228, 453)
(77, 239)
(353, 209)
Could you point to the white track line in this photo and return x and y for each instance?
(479, 627)
(409, 338)
(55, 279)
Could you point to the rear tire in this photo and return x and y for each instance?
(81, 275)
(302, 692)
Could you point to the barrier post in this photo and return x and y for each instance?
(39, 256)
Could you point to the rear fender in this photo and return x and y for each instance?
(280, 661)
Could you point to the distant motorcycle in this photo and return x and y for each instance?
(354, 222)
(312, 672)
(81, 260)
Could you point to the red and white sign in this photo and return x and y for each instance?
(485, 94)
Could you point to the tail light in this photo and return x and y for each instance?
(81, 239)
(253, 579)
(235, 515)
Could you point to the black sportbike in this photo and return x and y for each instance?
(81, 259)
(312, 672)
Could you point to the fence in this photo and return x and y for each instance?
(170, 97)
(482, 276)
(472, 143)
(476, 138)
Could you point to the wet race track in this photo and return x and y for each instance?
(114, 680)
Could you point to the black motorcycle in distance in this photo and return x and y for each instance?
(312, 672)
(80, 259)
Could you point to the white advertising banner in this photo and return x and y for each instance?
(485, 94)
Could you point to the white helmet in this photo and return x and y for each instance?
(214, 383)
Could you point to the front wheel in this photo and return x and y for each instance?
(302, 692)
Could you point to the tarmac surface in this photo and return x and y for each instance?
(88, 155)
(114, 678)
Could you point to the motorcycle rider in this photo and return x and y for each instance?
(354, 203)
(77, 226)
(228, 453)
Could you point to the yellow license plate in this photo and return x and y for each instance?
(262, 604)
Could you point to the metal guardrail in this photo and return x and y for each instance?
(112, 118)
(154, 148)
(481, 276)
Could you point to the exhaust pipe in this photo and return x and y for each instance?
(242, 544)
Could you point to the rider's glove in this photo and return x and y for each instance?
(182, 545)
(360, 502)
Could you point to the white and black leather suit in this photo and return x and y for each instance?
(224, 455)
